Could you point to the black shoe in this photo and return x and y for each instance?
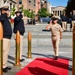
(8, 68)
(56, 57)
(5, 70)
(21, 60)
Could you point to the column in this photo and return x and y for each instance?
(59, 12)
(56, 13)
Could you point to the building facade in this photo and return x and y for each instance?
(29, 4)
(10, 3)
(49, 6)
(44, 3)
(57, 10)
(32, 5)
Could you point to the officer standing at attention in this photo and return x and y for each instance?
(56, 35)
(73, 19)
(7, 33)
(64, 22)
(19, 25)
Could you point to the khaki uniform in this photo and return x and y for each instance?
(6, 47)
(7, 34)
(64, 25)
(55, 32)
(73, 22)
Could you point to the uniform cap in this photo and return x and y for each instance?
(18, 12)
(5, 8)
(54, 18)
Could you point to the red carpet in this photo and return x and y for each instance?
(46, 66)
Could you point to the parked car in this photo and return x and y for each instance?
(45, 20)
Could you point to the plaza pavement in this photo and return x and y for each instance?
(41, 47)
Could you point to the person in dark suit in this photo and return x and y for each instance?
(73, 19)
(7, 34)
(19, 25)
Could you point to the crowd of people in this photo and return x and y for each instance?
(65, 20)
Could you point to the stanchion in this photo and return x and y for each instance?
(73, 70)
(17, 58)
(1, 49)
(29, 45)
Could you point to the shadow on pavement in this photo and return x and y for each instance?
(11, 62)
(42, 55)
(11, 58)
(46, 30)
(67, 58)
(70, 68)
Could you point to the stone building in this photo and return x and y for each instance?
(10, 3)
(57, 10)
(49, 6)
(32, 5)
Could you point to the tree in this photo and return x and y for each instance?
(70, 7)
(32, 14)
(13, 11)
(28, 13)
(43, 12)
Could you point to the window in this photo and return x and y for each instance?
(34, 1)
(34, 4)
(45, 2)
(20, 1)
(29, 1)
(5, 1)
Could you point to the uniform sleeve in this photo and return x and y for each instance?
(2, 19)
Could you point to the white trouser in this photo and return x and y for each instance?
(73, 22)
(55, 43)
(6, 47)
(64, 25)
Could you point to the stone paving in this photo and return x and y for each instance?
(41, 47)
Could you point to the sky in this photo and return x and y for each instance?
(58, 2)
